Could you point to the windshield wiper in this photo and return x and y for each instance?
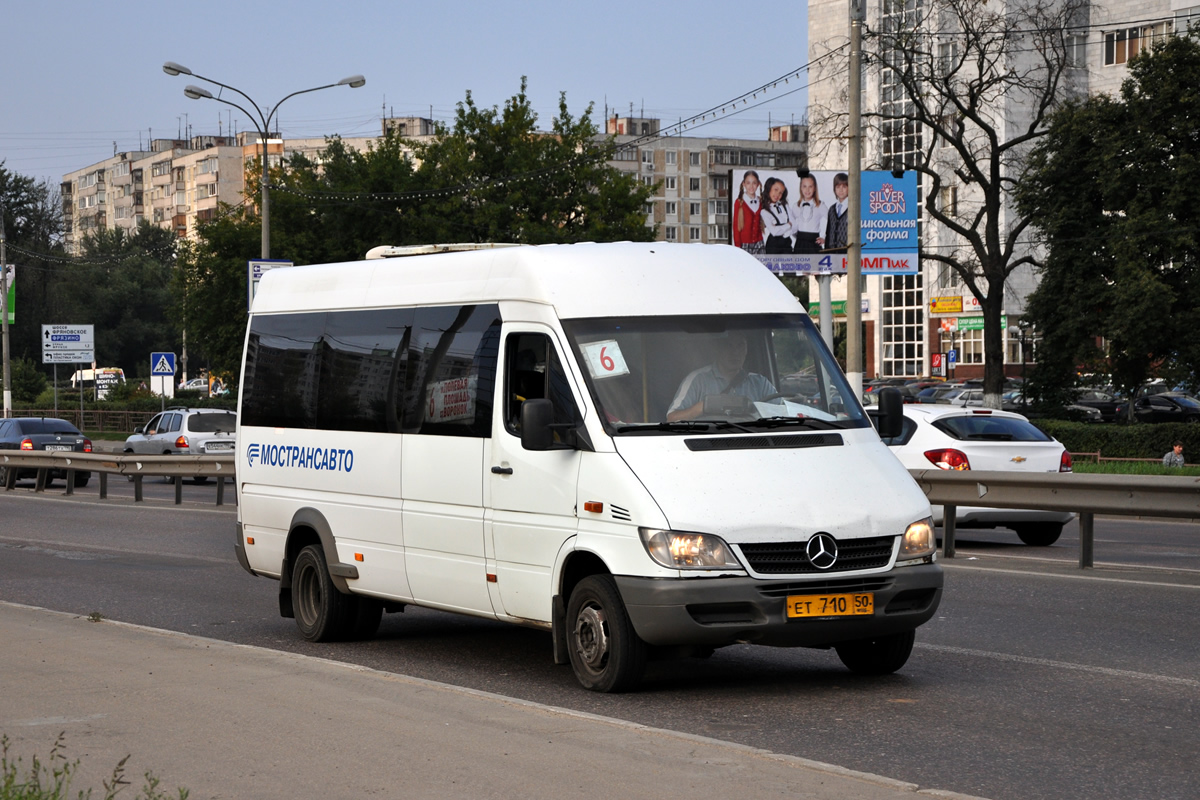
(680, 426)
(799, 422)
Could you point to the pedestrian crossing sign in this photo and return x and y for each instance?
(162, 363)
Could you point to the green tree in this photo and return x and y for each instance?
(33, 227)
(122, 285)
(28, 381)
(1114, 188)
(209, 289)
(492, 176)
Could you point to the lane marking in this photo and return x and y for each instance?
(1046, 662)
(128, 503)
(1069, 577)
(74, 551)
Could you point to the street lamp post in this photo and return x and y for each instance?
(1021, 331)
(261, 122)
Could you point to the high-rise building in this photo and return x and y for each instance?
(910, 317)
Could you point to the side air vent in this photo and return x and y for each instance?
(620, 513)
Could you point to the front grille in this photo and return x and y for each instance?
(789, 558)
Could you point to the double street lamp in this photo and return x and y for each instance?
(261, 122)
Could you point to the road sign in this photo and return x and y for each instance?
(10, 278)
(255, 270)
(162, 363)
(68, 344)
(952, 357)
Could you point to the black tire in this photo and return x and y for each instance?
(605, 651)
(881, 655)
(81, 479)
(323, 614)
(1039, 534)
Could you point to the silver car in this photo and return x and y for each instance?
(185, 430)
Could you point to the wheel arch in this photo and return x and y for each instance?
(309, 526)
(574, 566)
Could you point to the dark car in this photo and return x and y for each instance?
(43, 433)
(1167, 407)
(1104, 402)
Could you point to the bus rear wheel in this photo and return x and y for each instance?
(323, 614)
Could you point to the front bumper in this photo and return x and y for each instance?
(715, 612)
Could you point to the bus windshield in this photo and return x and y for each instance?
(689, 374)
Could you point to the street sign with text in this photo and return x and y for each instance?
(68, 344)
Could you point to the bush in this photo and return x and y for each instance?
(1111, 440)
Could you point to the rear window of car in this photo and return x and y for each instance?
(209, 423)
(32, 426)
(986, 427)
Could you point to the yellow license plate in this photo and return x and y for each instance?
(830, 605)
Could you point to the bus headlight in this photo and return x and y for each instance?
(919, 541)
(676, 550)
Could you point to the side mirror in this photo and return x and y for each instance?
(536, 417)
(891, 412)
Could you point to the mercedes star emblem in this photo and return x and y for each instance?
(822, 551)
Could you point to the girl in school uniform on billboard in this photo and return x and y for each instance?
(747, 227)
(811, 218)
(776, 217)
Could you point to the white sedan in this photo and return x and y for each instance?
(953, 437)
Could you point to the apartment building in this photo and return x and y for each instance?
(910, 317)
(178, 183)
(691, 203)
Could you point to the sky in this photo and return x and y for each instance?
(80, 78)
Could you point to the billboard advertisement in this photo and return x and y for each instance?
(797, 223)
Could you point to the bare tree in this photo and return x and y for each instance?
(965, 88)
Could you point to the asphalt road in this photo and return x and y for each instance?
(1035, 680)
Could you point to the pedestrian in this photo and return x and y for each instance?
(1175, 457)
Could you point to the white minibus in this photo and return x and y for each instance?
(644, 449)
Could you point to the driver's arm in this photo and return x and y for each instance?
(691, 412)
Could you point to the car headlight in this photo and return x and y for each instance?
(919, 541)
(676, 550)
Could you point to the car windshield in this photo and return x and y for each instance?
(32, 426)
(210, 423)
(709, 374)
(1186, 401)
(989, 427)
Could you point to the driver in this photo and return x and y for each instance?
(724, 376)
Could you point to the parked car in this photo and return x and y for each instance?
(1012, 401)
(950, 437)
(186, 430)
(1165, 407)
(43, 433)
(1104, 402)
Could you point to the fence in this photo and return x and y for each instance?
(94, 419)
(134, 466)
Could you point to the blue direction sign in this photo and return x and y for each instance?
(952, 356)
(162, 363)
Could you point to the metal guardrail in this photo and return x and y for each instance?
(1169, 496)
(134, 466)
